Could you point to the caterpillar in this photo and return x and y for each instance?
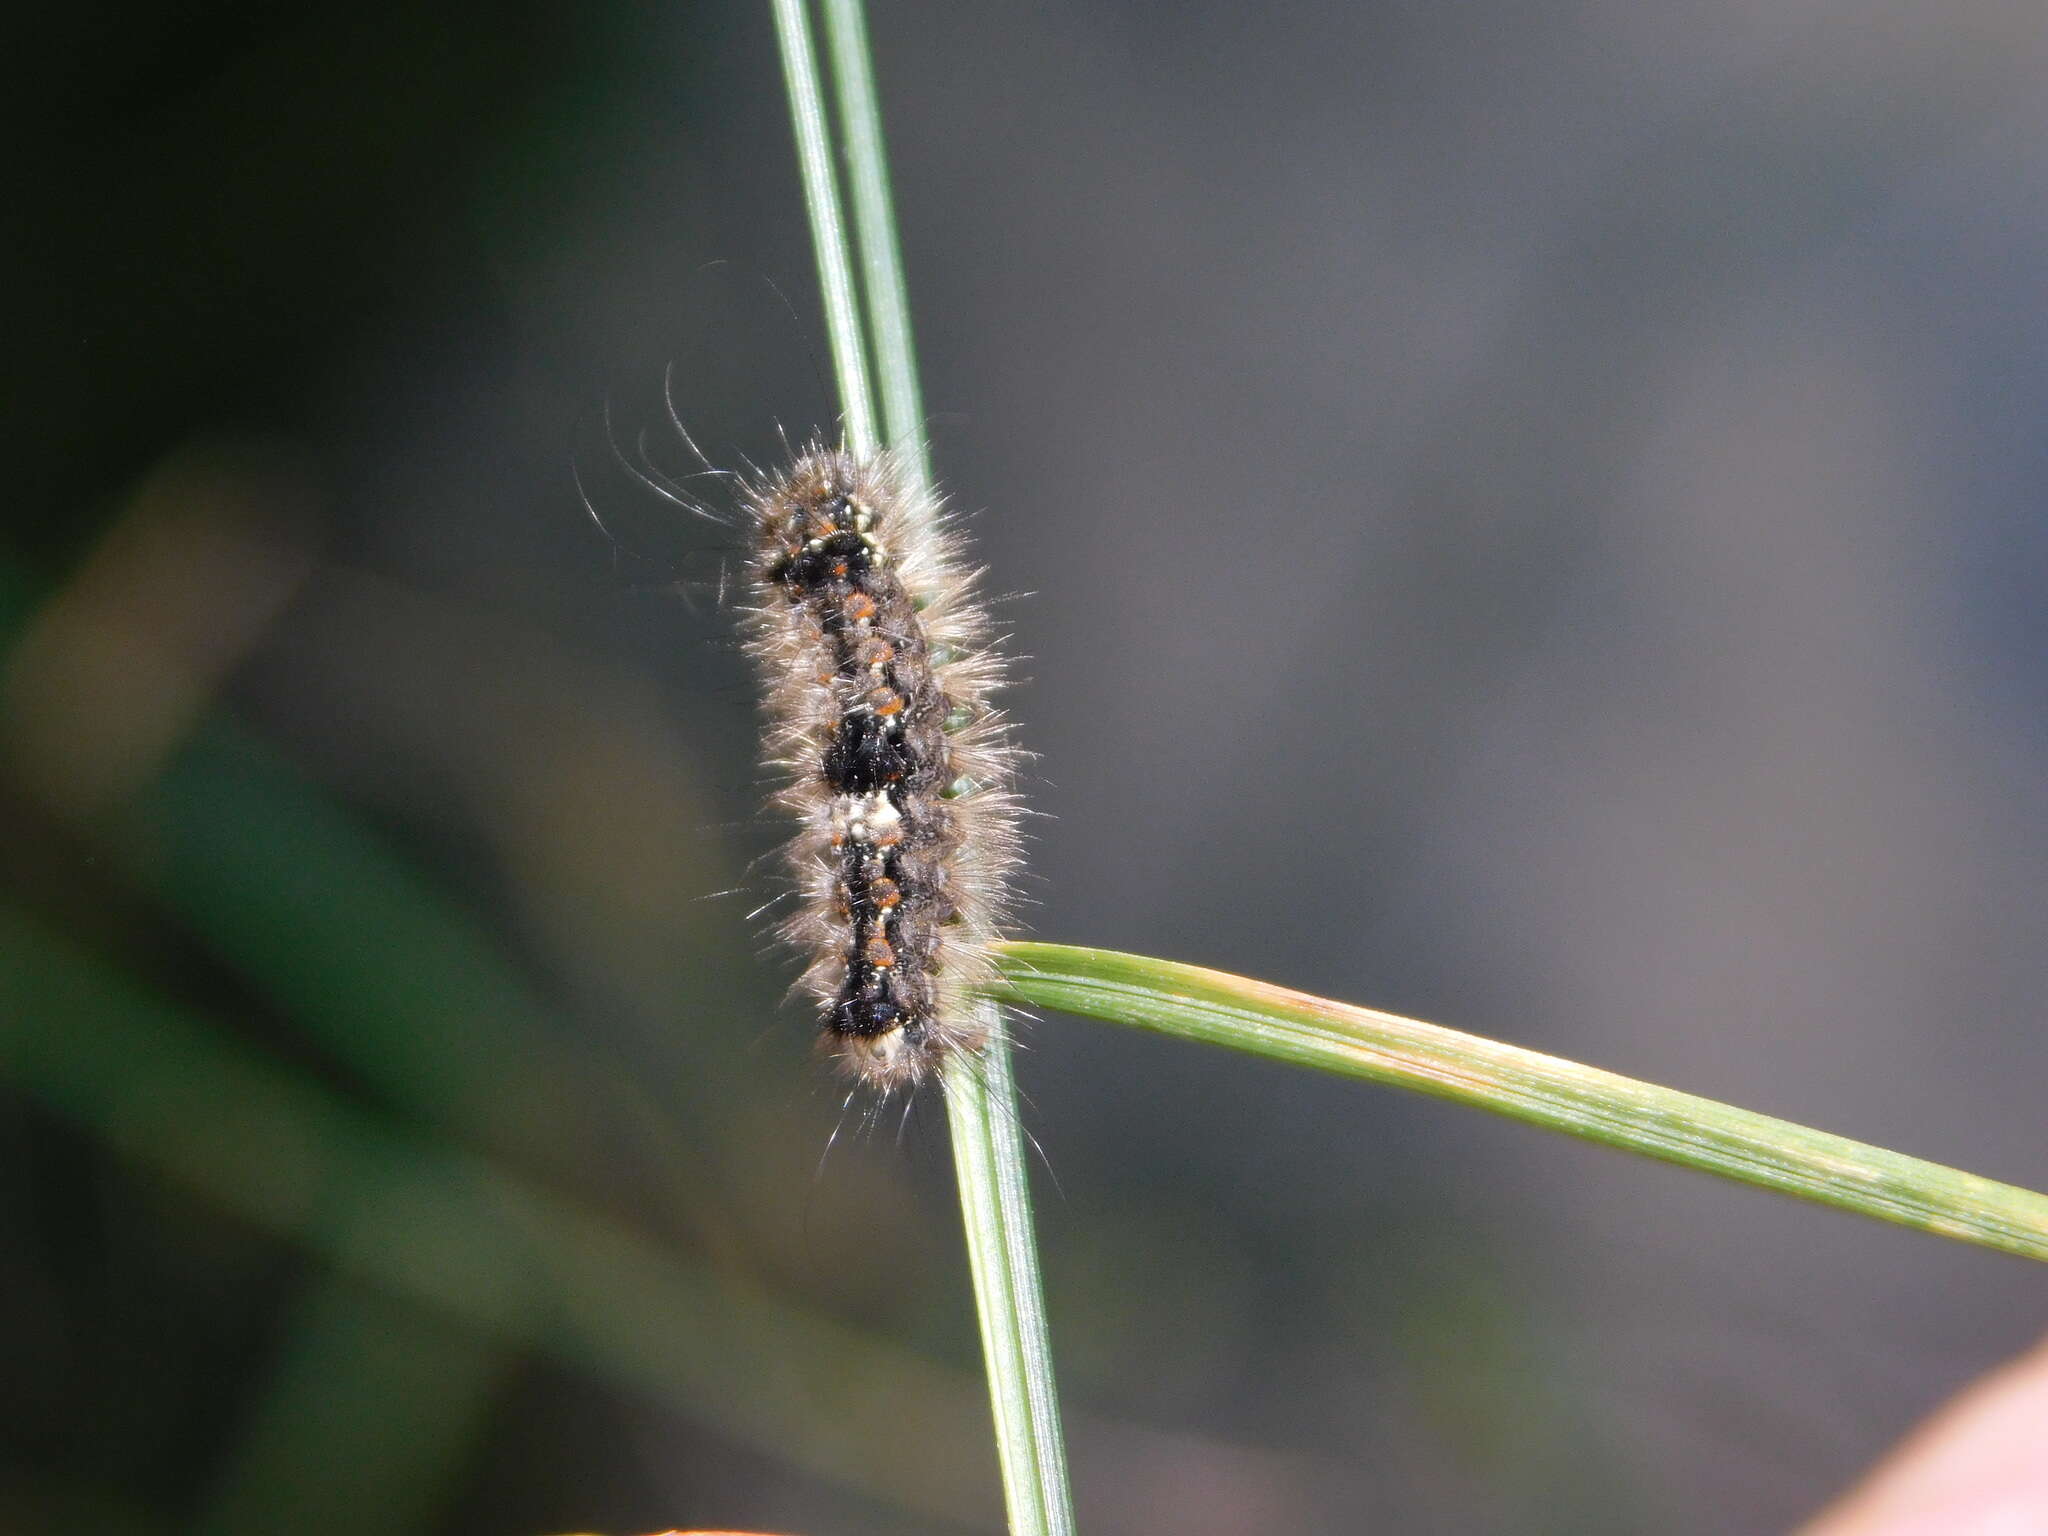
(879, 670)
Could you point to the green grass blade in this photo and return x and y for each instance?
(981, 1098)
(874, 227)
(1254, 1016)
(828, 224)
(995, 1202)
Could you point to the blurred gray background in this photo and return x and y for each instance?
(1528, 517)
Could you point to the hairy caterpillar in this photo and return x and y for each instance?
(878, 670)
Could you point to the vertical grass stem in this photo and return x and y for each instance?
(874, 228)
(828, 225)
(981, 1096)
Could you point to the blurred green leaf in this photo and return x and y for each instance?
(450, 1232)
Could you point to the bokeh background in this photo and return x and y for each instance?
(1528, 516)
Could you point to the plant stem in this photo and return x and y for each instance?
(874, 228)
(828, 225)
(1255, 1016)
(995, 1203)
(981, 1096)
